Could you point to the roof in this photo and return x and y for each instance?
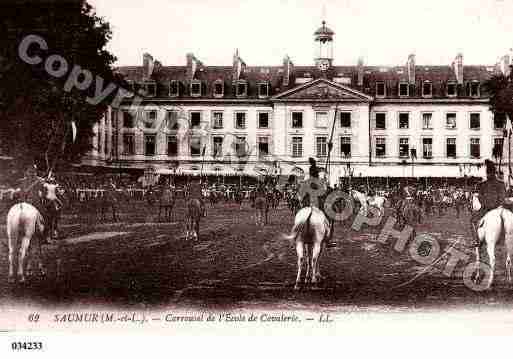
(391, 76)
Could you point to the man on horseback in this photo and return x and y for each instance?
(195, 191)
(492, 193)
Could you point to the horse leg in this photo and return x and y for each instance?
(300, 259)
(316, 251)
(509, 251)
(24, 246)
(11, 260)
(491, 258)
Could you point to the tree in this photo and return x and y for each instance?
(35, 109)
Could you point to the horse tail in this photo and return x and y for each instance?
(15, 229)
(299, 228)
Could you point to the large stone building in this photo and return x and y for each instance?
(401, 121)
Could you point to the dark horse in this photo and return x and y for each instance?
(166, 202)
(193, 215)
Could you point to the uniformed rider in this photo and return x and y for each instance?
(492, 193)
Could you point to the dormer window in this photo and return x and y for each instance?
(427, 89)
(263, 89)
(403, 89)
(174, 88)
(380, 89)
(196, 88)
(219, 88)
(452, 89)
(150, 88)
(474, 89)
(241, 89)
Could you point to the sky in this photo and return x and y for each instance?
(383, 32)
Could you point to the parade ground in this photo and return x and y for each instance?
(140, 262)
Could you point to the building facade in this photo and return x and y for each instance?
(400, 121)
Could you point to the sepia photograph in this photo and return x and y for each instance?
(276, 166)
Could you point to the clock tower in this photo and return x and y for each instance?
(323, 45)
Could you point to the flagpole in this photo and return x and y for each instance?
(330, 144)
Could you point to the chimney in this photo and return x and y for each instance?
(238, 66)
(458, 68)
(288, 67)
(148, 65)
(410, 67)
(360, 71)
(192, 65)
(504, 65)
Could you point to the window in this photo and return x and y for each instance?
(451, 148)
(195, 146)
(195, 119)
(381, 121)
(475, 148)
(380, 89)
(297, 147)
(404, 147)
(128, 119)
(321, 146)
(241, 146)
(427, 147)
(321, 119)
(241, 89)
(151, 89)
(427, 121)
(475, 121)
(498, 145)
(128, 144)
(381, 147)
(174, 88)
(474, 89)
(297, 119)
(404, 120)
(499, 121)
(172, 120)
(196, 88)
(452, 89)
(403, 89)
(345, 119)
(263, 89)
(217, 120)
(217, 146)
(263, 120)
(345, 146)
(149, 145)
(151, 119)
(263, 146)
(219, 88)
(172, 146)
(240, 120)
(450, 120)
(427, 89)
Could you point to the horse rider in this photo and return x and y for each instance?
(31, 192)
(492, 193)
(51, 202)
(195, 191)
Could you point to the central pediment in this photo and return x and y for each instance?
(322, 89)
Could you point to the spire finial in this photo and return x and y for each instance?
(323, 14)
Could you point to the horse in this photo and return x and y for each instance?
(167, 202)
(24, 222)
(107, 201)
(261, 204)
(193, 216)
(310, 231)
(377, 202)
(489, 231)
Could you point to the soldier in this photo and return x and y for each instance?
(492, 193)
(52, 204)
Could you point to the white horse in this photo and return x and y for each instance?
(362, 199)
(377, 202)
(310, 231)
(23, 223)
(489, 230)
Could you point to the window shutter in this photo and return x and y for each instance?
(355, 148)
